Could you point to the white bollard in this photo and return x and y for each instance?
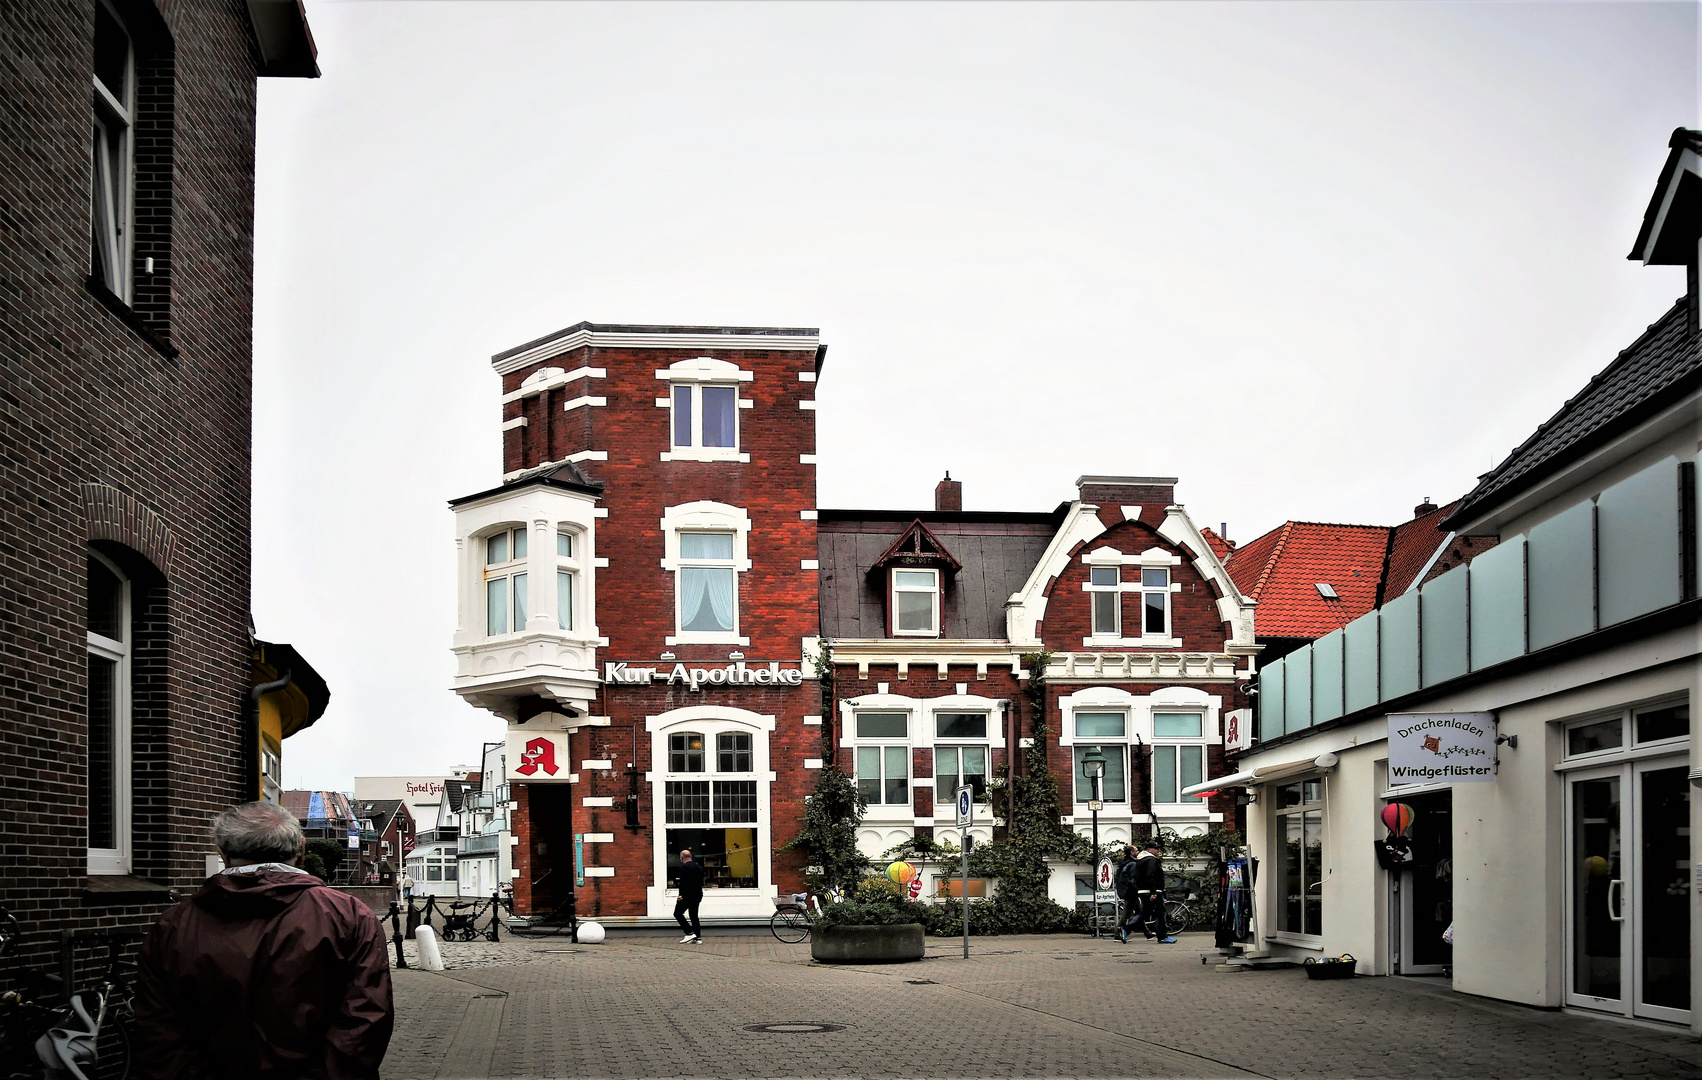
(425, 939)
(590, 933)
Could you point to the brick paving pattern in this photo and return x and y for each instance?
(1030, 1006)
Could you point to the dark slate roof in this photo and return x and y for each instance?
(997, 551)
(453, 790)
(381, 812)
(1676, 245)
(1659, 368)
(561, 474)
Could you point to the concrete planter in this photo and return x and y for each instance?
(868, 944)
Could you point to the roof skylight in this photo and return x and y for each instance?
(1326, 590)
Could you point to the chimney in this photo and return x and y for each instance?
(1151, 493)
(948, 495)
(1425, 507)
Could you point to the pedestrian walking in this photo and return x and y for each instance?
(1124, 883)
(1149, 888)
(691, 895)
(266, 972)
(407, 884)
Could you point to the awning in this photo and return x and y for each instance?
(1263, 774)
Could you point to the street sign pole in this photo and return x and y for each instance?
(965, 808)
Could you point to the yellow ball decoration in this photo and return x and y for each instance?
(901, 872)
(1596, 865)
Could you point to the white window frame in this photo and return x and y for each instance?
(1150, 559)
(934, 593)
(1096, 590)
(694, 375)
(857, 742)
(1178, 742)
(570, 565)
(711, 721)
(510, 570)
(271, 772)
(1279, 837)
(706, 517)
(114, 117)
(945, 793)
(117, 860)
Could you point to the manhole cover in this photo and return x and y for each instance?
(796, 1027)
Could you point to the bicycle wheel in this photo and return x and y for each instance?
(790, 926)
(112, 1060)
(1177, 915)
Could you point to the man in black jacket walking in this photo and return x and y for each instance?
(1149, 889)
(691, 895)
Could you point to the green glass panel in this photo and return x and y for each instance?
(1297, 702)
(1271, 679)
(1561, 571)
(1398, 646)
(1091, 724)
(1164, 774)
(1177, 725)
(883, 725)
(1327, 677)
(1443, 642)
(1637, 544)
(1359, 663)
(1498, 604)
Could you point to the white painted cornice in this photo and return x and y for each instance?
(563, 343)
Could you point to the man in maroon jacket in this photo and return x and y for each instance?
(266, 972)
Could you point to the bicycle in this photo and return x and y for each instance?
(85, 1035)
(793, 921)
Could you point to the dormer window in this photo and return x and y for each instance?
(916, 602)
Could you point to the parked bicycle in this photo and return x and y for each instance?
(86, 1034)
(793, 919)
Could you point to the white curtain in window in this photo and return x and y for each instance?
(707, 603)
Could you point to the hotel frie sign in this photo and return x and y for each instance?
(694, 677)
(1441, 748)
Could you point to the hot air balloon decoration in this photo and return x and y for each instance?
(901, 872)
(1398, 818)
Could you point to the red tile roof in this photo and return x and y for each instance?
(1282, 570)
(1223, 548)
(1412, 546)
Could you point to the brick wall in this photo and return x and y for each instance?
(1194, 617)
(93, 396)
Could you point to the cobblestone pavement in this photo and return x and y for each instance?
(1021, 1006)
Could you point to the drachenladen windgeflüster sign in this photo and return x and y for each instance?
(1441, 748)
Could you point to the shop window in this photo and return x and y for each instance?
(1101, 728)
(109, 701)
(685, 752)
(1105, 590)
(1155, 601)
(1178, 755)
(1299, 815)
(883, 757)
(708, 592)
(1641, 725)
(916, 602)
(505, 582)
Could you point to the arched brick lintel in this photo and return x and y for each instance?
(112, 514)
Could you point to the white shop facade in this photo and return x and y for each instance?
(1549, 684)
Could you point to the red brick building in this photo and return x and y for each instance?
(638, 599)
(126, 249)
(931, 614)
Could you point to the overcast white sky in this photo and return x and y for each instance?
(1318, 261)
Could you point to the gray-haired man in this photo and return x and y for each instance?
(265, 972)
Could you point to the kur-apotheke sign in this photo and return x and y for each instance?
(1441, 748)
(696, 678)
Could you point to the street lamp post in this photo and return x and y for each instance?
(1093, 768)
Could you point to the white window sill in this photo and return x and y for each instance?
(1299, 941)
(687, 453)
(1109, 642)
(691, 637)
(916, 633)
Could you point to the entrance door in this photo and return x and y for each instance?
(1628, 896)
(1424, 888)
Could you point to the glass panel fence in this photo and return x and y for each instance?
(1359, 643)
(1327, 677)
(1442, 635)
(1297, 704)
(1270, 700)
(1637, 544)
(1498, 603)
(1398, 647)
(1561, 553)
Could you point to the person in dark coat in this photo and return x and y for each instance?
(691, 895)
(266, 972)
(1149, 889)
(1125, 886)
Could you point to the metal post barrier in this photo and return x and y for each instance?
(396, 933)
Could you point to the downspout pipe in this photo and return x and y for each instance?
(251, 734)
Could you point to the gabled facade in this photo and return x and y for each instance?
(637, 598)
(930, 617)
